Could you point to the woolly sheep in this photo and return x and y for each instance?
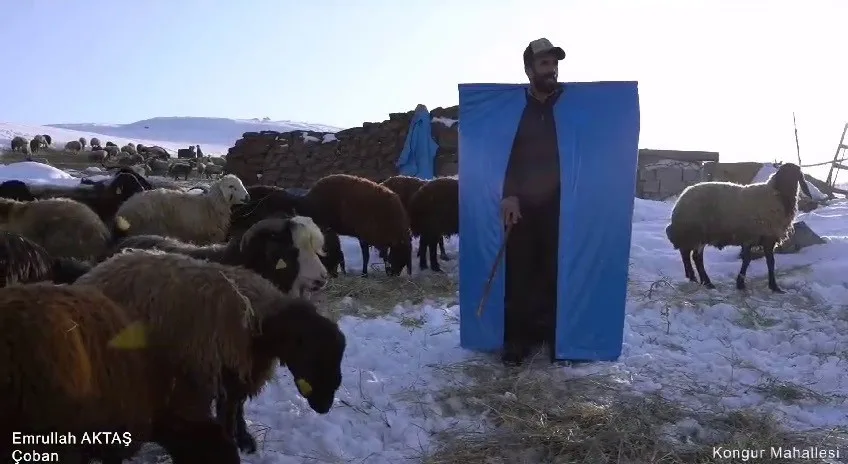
(180, 169)
(24, 261)
(361, 208)
(269, 201)
(213, 169)
(405, 187)
(723, 213)
(61, 351)
(98, 156)
(64, 227)
(18, 143)
(434, 213)
(236, 328)
(73, 145)
(111, 150)
(129, 149)
(158, 166)
(285, 251)
(82, 142)
(48, 139)
(109, 143)
(95, 143)
(34, 146)
(198, 219)
(16, 190)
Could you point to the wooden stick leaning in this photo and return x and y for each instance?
(488, 288)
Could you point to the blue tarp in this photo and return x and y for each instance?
(418, 156)
(598, 130)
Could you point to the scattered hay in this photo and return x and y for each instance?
(542, 416)
(377, 295)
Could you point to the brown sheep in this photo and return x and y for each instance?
(405, 187)
(95, 143)
(434, 213)
(224, 323)
(82, 142)
(98, 156)
(73, 145)
(64, 227)
(68, 366)
(364, 209)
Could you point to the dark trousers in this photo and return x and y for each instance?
(531, 275)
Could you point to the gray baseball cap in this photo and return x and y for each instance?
(542, 45)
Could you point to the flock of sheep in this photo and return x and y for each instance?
(133, 309)
(146, 160)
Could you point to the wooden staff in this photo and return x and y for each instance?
(488, 288)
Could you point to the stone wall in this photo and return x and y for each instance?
(298, 159)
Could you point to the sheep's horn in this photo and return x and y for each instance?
(274, 224)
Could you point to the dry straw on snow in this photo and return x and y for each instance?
(377, 295)
(538, 416)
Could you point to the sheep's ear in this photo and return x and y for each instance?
(304, 387)
(281, 264)
(133, 337)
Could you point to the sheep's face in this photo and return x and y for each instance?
(313, 353)
(233, 190)
(333, 258)
(400, 256)
(309, 241)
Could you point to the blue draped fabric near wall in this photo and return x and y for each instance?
(418, 157)
(598, 132)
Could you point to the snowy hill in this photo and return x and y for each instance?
(191, 130)
(215, 135)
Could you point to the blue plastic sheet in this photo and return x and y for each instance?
(418, 157)
(598, 131)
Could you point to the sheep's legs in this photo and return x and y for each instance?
(686, 256)
(768, 249)
(422, 253)
(433, 248)
(698, 257)
(746, 261)
(444, 254)
(366, 254)
(229, 410)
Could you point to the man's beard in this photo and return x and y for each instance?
(546, 83)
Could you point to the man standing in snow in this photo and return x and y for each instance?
(531, 204)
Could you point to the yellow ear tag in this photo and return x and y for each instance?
(281, 264)
(122, 223)
(118, 191)
(304, 387)
(133, 337)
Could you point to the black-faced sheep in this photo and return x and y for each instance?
(16, 190)
(405, 187)
(268, 201)
(434, 214)
(95, 143)
(723, 214)
(361, 208)
(82, 142)
(19, 144)
(106, 196)
(64, 227)
(73, 145)
(65, 371)
(34, 146)
(24, 261)
(285, 251)
(48, 139)
(198, 219)
(211, 319)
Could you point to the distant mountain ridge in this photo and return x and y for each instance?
(193, 130)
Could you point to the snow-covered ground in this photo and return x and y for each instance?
(214, 135)
(681, 341)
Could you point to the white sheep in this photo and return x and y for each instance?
(723, 214)
(198, 219)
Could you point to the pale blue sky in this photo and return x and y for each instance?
(720, 75)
